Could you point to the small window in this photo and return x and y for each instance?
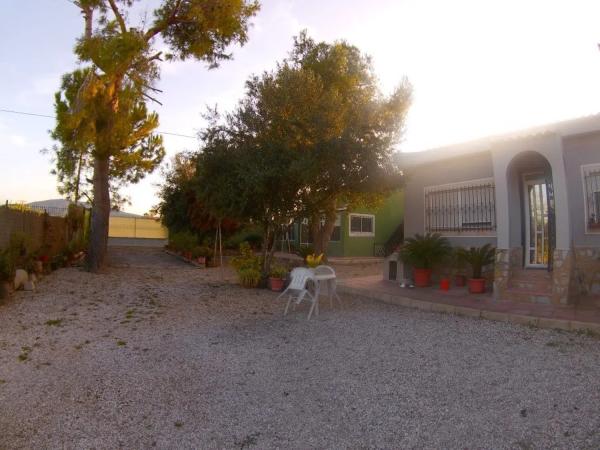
(336, 234)
(591, 192)
(461, 207)
(362, 225)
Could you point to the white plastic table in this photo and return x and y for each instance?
(330, 281)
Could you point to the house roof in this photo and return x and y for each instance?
(571, 127)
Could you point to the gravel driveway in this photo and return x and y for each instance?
(154, 353)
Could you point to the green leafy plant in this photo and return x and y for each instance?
(249, 277)
(278, 271)
(183, 241)
(425, 251)
(477, 258)
(246, 259)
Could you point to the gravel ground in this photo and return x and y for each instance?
(154, 353)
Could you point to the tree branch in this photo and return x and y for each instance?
(118, 16)
(151, 98)
(170, 20)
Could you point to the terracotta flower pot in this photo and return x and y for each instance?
(476, 285)
(276, 284)
(459, 280)
(445, 284)
(422, 277)
(201, 260)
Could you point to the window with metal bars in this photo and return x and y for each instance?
(591, 190)
(461, 207)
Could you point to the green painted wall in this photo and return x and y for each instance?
(387, 219)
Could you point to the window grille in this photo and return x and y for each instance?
(591, 184)
(461, 207)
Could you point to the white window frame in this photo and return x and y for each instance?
(588, 168)
(458, 185)
(361, 233)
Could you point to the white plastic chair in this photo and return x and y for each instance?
(326, 274)
(297, 289)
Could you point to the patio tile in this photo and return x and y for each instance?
(459, 301)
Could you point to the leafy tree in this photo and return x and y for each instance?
(348, 158)
(180, 208)
(103, 124)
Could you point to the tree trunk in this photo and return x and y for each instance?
(100, 215)
(322, 233)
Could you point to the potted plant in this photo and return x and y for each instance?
(458, 267)
(423, 252)
(314, 260)
(277, 278)
(477, 258)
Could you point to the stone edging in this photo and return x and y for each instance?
(540, 322)
(181, 258)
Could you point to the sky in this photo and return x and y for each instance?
(477, 67)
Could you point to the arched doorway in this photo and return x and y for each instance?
(531, 210)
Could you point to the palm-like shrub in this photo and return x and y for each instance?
(425, 251)
(477, 258)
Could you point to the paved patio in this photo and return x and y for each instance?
(585, 316)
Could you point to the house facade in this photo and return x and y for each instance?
(361, 232)
(534, 195)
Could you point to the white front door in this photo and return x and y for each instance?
(536, 221)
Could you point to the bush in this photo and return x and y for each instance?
(249, 278)
(425, 251)
(252, 237)
(201, 251)
(184, 241)
(7, 268)
(278, 271)
(246, 259)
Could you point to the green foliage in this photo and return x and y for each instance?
(180, 207)
(104, 128)
(201, 251)
(246, 259)
(251, 236)
(184, 241)
(311, 134)
(425, 251)
(278, 271)
(477, 257)
(249, 278)
(7, 268)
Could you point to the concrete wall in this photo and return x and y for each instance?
(578, 151)
(472, 167)
(504, 153)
